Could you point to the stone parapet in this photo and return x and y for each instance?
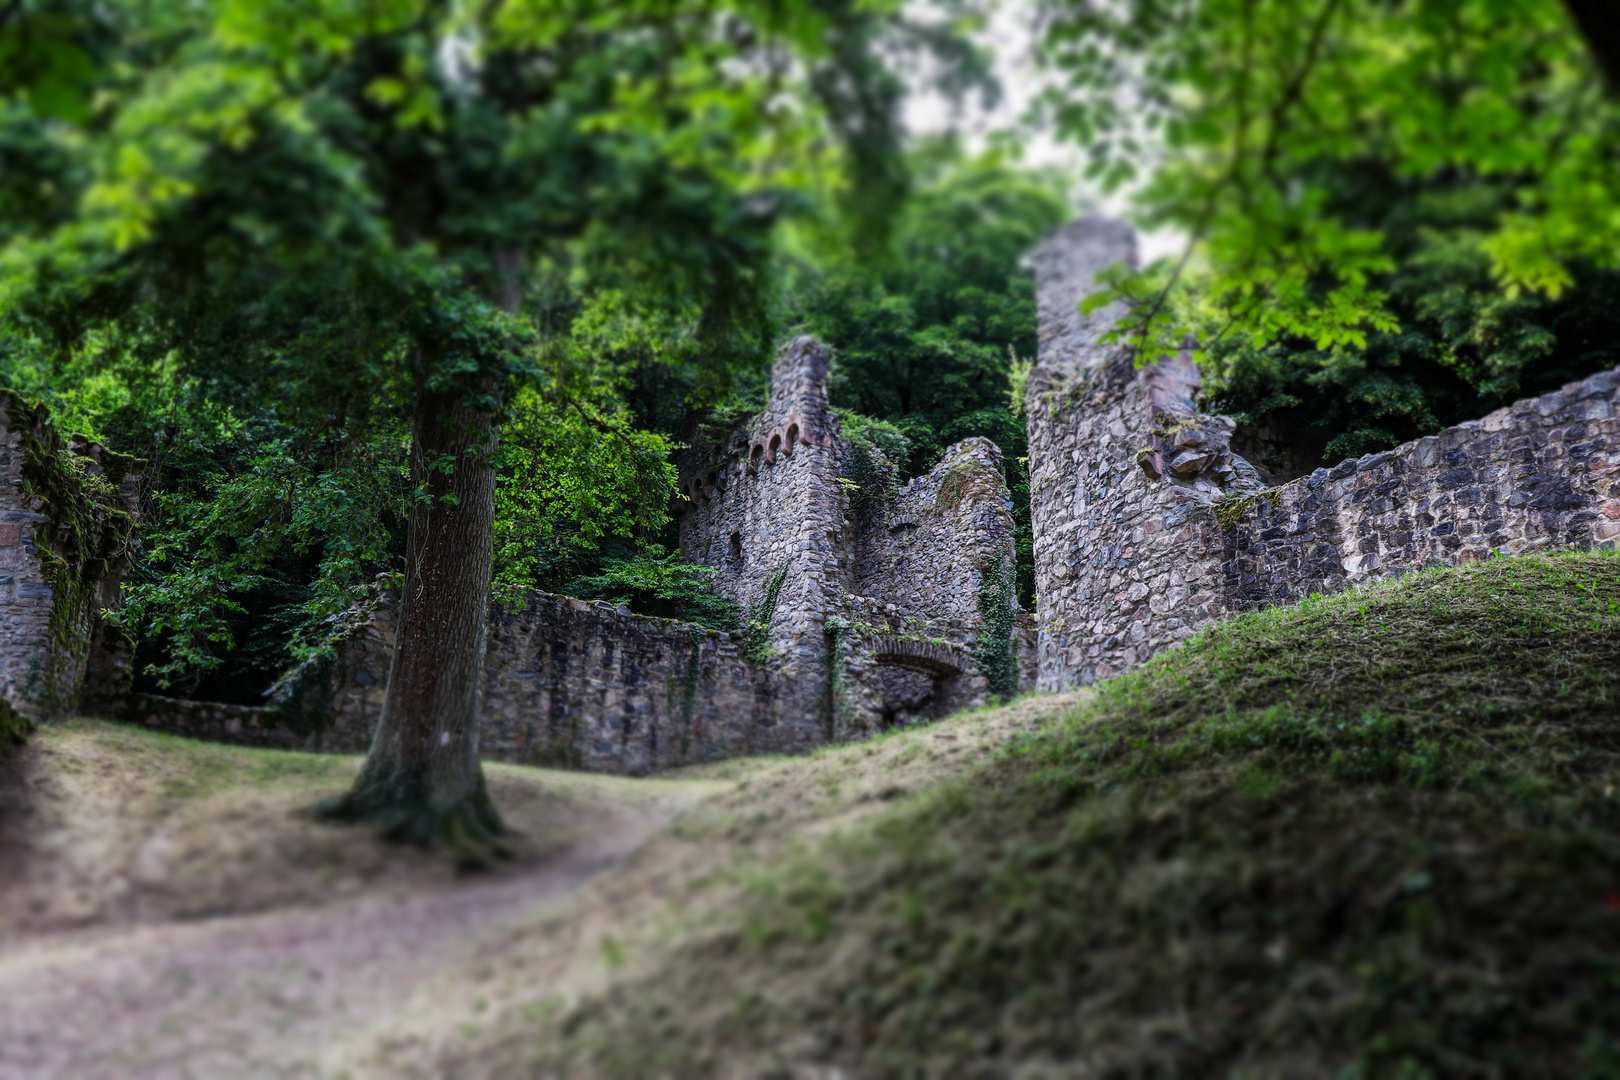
(212, 721)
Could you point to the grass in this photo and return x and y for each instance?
(106, 823)
(1375, 834)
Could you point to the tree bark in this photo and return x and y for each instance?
(422, 781)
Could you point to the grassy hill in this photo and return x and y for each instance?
(1377, 831)
(1376, 834)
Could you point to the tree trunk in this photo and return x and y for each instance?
(1599, 24)
(422, 781)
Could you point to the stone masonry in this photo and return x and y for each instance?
(881, 605)
(67, 509)
(1148, 526)
(878, 619)
(879, 613)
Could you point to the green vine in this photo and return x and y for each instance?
(688, 693)
(14, 726)
(89, 530)
(994, 654)
(756, 632)
(835, 630)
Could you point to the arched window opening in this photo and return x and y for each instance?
(792, 439)
(755, 458)
(771, 451)
(736, 549)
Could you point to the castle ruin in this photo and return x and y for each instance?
(868, 604)
(865, 609)
(1147, 524)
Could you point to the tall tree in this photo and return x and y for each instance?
(397, 170)
(1247, 115)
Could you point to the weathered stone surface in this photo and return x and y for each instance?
(909, 563)
(1109, 534)
(58, 652)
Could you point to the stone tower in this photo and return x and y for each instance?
(1148, 526)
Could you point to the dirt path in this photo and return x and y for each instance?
(260, 994)
(165, 913)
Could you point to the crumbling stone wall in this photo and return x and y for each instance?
(925, 552)
(566, 683)
(769, 502)
(67, 515)
(1147, 525)
(866, 582)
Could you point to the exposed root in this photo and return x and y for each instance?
(404, 808)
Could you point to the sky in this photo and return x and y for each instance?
(1010, 36)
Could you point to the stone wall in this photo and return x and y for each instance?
(567, 683)
(869, 584)
(1147, 525)
(67, 514)
(768, 503)
(880, 618)
(212, 721)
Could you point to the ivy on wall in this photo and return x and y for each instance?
(993, 654)
(89, 530)
(756, 632)
(835, 631)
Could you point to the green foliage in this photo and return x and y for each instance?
(874, 451)
(756, 632)
(659, 583)
(924, 338)
(1309, 148)
(290, 530)
(1463, 348)
(928, 338)
(993, 652)
(575, 472)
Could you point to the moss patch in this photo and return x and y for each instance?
(993, 652)
(964, 481)
(14, 726)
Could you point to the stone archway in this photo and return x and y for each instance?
(914, 679)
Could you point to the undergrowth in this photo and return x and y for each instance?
(1372, 835)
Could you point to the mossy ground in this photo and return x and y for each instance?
(1376, 834)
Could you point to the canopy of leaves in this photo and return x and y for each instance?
(1249, 120)
(926, 339)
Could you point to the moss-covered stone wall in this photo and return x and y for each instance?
(67, 519)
